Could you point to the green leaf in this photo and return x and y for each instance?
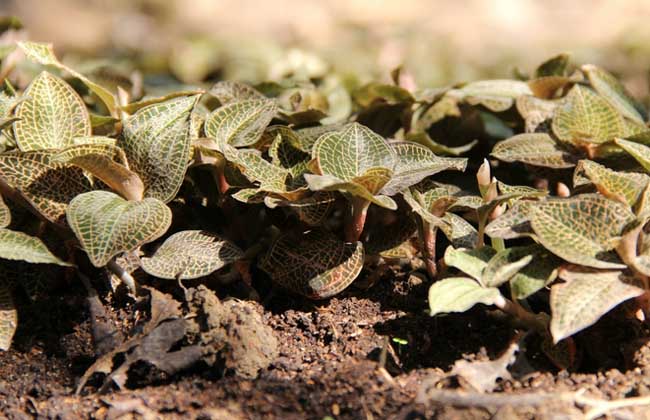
(424, 139)
(581, 229)
(105, 224)
(8, 317)
(514, 223)
(528, 268)
(312, 209)
(554, 66)
(22, 247)
(51, 116)
(460, 232)
(227, 92)
(458, 294)
(537, 149)
(46, 185)
(240, 124)
(137, 106)
(354, 160)
(307, 137)
(614, 92)
(315, 264)
(585, 298)
(535, 111)
(416, 162)
(495, 95)
(44, 54)
(5, 214)
(470, 261)
(156, 141)
(626, 187)
(638, 151)
(191, 254)
(586, 117)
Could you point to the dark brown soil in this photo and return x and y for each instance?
(337, 359)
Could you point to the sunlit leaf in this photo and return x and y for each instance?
(105, 224)
(5, 214)
(496, 95)
(537, 149)
(228, 91)
(315, 264)
(581, 229)
(44, 54)
(157, 144)
(584, 298)
(460, 232)
(535, 111)
(614, 92)
(8, 317)
(191, 254)
(527, 268)
(22, 247)
(241, 123)
(469, 261)
(52, 115)
(586, 117)
(143, 103)
(424, 139)
(416, 162)
(638, 151)
(458, 294)
(514, 223)
(46, 185)
(554, 66)
(626, 187)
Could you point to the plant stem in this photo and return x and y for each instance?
(357, 220)
(498, 244)
(122, 275)
(428, 240)
(517, 311)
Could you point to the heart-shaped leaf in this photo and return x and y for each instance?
(8, 317)
(614, 92)
(416, 162)
(585, 297)
(581, 229)
(537, 149)
(106, 224)
(191, 254)
(586, 117)
(156, 141)
(44, 54)
(315, 264)
(241, 123)
(22, 247)
(354, 160)
(458, 294)
(52, 115)
(46, 185)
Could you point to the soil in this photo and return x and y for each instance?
(338, 359)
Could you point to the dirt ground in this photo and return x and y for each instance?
(338, 359)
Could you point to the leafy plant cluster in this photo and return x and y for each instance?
(307, 182)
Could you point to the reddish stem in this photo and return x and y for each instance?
(428, 240)
(222, 183)
(357, 219)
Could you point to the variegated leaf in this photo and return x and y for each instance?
(105, 224)
(22, 247)
(156, 141)
(537, 149)
(514, 223)
(315, 264)
(44, 54)
(240, 124)
(581, 229)
(586, 117)
(228, 91)
(470, 261)
(52, 115)
(416, 162)
(459, 294)
(495, 95)
(191, 254)
(424, 139)
(638, 151)
(585, 298)
(8, 317)
(46, 185)
(614, 92)
(626, 187)
(5, 214)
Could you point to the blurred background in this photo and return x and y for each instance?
(439, 42)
